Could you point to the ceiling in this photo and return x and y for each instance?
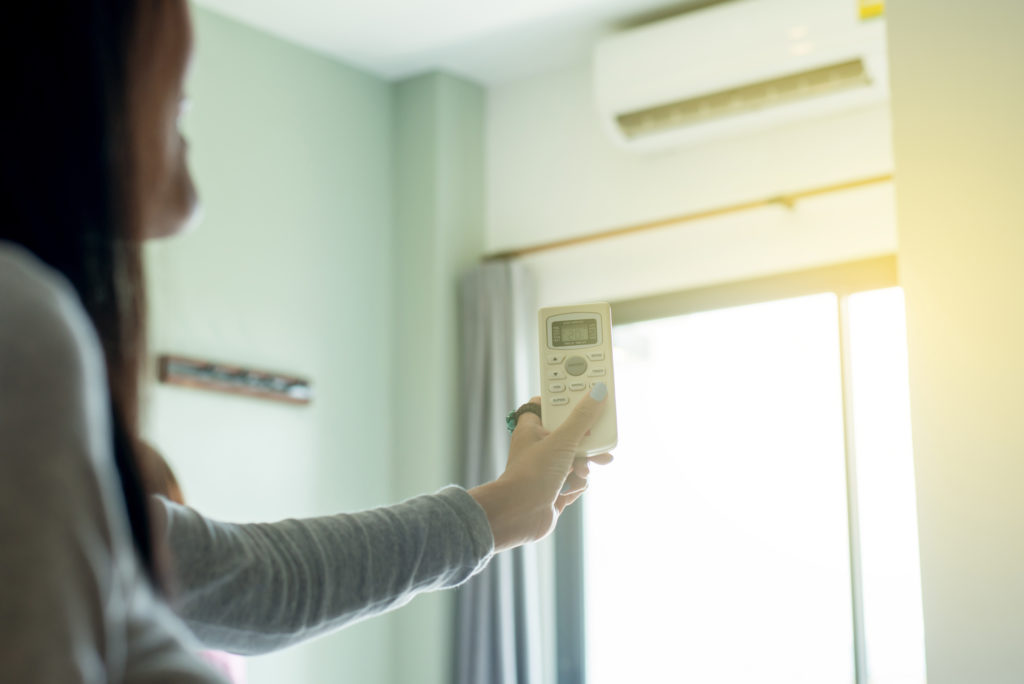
(489, 41)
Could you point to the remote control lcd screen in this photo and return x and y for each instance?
(572, 333)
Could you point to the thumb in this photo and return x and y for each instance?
(583, 416)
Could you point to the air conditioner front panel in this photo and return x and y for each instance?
(734, 65)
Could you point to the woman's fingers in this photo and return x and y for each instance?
(573, 483)
(529, 426)
(576, 483)
(564, 500)
(527, 433)
(529, 418)
(581, 467)
(583, 417)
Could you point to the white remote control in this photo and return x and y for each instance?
(576, 354)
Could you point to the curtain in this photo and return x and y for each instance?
(498, 631)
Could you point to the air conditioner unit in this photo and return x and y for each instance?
(738, 66)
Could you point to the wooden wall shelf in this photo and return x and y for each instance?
(220, 377)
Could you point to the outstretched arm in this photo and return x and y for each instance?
(254, 588)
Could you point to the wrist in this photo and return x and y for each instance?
(502, 509)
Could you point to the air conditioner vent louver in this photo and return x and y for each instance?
(826, 80)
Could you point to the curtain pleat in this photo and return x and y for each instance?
(498, 632)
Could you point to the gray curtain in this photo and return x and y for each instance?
(498, 634)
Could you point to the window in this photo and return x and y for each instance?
(889, 560)
(759, 523)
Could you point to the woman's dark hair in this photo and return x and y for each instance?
(66, 186)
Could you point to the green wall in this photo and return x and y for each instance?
(338, 210)
(439, 167)
(290, 269)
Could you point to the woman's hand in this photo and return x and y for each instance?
(543, 475)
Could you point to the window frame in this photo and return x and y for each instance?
(843, 280)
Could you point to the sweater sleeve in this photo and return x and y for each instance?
(254, 588)
(73, 604)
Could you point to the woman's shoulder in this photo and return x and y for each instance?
(30, 288)
(40, 313)
(51, 360)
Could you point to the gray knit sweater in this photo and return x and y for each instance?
(74, 606)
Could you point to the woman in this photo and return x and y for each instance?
(93, 164)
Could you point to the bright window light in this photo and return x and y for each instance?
(716, 546)
(890, 565)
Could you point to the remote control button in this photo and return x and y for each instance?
(555, 374)
(555, 358)
(577, 386)
(576, 365)
(596, 372)
(556, 387)
(595, 356)
(559, 401)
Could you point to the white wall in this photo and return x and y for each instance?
(958, 108)
(553, 173)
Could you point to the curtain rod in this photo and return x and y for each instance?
(787, 200)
